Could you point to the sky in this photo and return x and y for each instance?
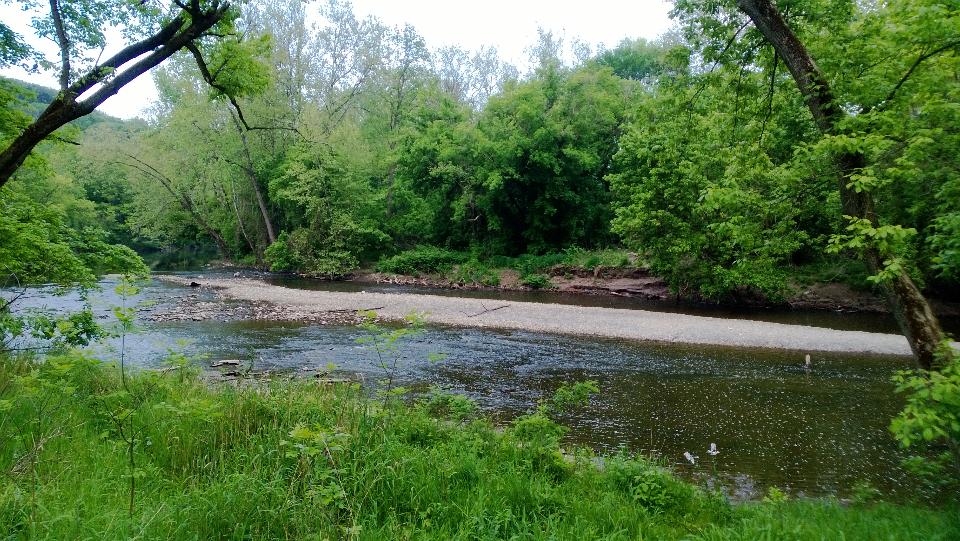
(509, 25)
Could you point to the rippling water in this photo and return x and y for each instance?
(815, 432)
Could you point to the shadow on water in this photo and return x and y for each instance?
(816, 432)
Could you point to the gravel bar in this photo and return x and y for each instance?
(641, 325)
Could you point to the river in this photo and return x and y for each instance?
(811, 431)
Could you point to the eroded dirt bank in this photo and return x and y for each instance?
(641, 284)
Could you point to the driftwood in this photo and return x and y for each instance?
(487, 310)
(352, 310)
(225, 362)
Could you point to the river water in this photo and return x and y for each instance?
(816, 431)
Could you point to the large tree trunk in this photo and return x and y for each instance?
(252, 177)
(65, 108)
(917, 320)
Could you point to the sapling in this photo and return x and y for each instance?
(122, 406)
(386, 344)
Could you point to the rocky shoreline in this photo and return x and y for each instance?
(629, 282)
(211, 304)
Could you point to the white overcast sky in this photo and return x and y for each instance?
(509, 25)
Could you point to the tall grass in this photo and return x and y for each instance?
(299, 460)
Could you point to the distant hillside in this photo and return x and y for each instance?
(34, 98)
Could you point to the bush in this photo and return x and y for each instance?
(303, 251)
(37, 245)
(536, 281)
(930, 424)
(446, 405)
(422, 260)
(475, 272)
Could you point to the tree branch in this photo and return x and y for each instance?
(210, 79)
(198, 25)
(127, 54)
(916, 64)
(63, 42)
(773, 81)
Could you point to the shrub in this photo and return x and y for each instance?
(445, 405)
(930, 423)
(475, 272)
(305, 251)
(536, 281)
(422, 260)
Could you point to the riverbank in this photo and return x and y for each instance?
(617, 280)
(640, 325)
(297, 460)
(640, 283)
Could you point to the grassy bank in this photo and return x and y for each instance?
(297, 460)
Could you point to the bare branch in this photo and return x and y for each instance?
(63, 42)
(773, 81)
(486, 310)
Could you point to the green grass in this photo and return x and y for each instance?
(476, 272)
(295, 460)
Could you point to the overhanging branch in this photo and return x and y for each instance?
(913, 67)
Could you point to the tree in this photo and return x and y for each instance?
(472, 78)
(78, 30)
(636, 59)
(853, 170)
(703, 190)
(913, 312)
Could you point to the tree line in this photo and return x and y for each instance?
(756, 144)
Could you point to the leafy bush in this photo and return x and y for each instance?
(570, 396)
(930, 422)
(530, 263)
(536, 281)
(649, 485)
(39, 246)
(475, 272)
(422, 260)
(451, 406)
(281, 257)
(304, 250)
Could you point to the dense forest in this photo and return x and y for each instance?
(321, 148)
